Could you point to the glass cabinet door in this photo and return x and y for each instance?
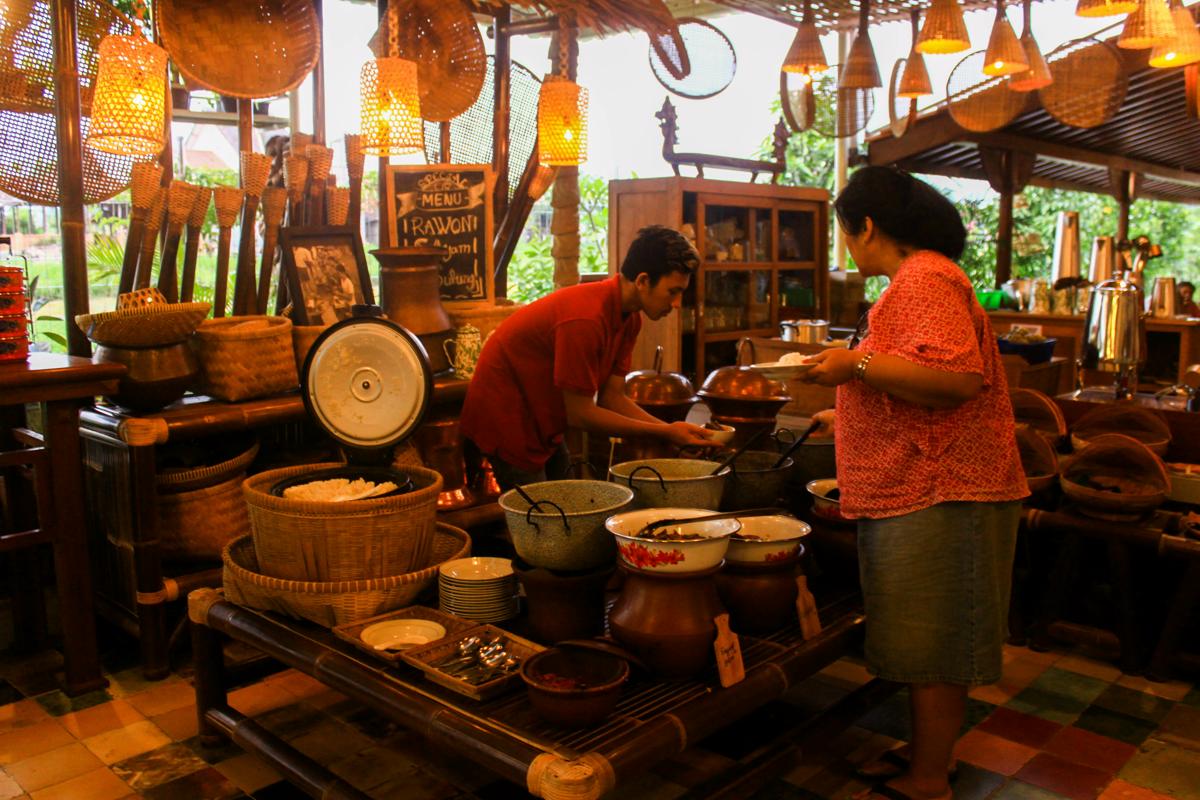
(726, 233)
(736, 300)
(797, 235)
(797, 293)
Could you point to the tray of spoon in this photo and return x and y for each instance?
(479, 662)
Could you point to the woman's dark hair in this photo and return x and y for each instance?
(659, 251)
(910, 211)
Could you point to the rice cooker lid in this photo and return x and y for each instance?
(367, 383)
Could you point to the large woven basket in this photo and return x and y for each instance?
(197, 524)
(1136, 478)
(340, 602)
(353, 540)
(179, 470)
(245, 357)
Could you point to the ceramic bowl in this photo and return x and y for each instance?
(565, 531)
(777, 538)
(672, 482)
(650, 555)
(826, 507)
(722, 435)
(401, 634)
(573, 688)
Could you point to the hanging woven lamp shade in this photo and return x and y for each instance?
(129, 103)
(861, 71)
(1005, 55)
(1149, 26)
(1184, 48)
(945, 30)
(562, 122)
(1038, 74)
(1105, 8)
(806, 55)
(914, 80)
(391, 108)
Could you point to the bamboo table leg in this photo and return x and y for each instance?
(1183, 604)
(151, 594)
(208, 660)
(1130, 662)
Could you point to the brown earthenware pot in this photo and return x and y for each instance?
(761, 598)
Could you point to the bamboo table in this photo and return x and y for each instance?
(120, 446)
(61, 385)
(652, 722)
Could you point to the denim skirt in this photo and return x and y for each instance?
(936, 585)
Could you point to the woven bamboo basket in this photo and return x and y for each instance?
(1033, 409)
(1137, 422)
(197, 524)
(245, 357)
(1135, 480)
(234, 461)
(338, 602)
(353, 540)
(1037, 459)
(303, 338)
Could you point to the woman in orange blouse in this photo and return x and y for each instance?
(928, 464)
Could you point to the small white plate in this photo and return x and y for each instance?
(400, 634)
(477, 568)
(777, 371)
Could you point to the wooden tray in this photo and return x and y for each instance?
(425, 656)
(351, 631)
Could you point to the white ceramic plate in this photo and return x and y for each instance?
(477, 568)
(776, 371)
(400, 634)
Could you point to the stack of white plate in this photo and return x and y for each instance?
(482, 589)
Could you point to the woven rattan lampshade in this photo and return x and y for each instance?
(1149, 26)
(806, 55)
(945, 30)
(1184, 48)
(130, 97)
(861, 71)
(391, 108)
(562, 122)
(1005, 55)
(1038, 74)
(914, 80)
(1105, 8)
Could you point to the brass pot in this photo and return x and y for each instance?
(410, 291)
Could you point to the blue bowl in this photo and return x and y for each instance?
(1032, 352)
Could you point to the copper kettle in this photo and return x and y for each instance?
(663, 394)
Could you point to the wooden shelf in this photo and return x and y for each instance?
(226, 118)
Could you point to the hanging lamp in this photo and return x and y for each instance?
(1149, 26)
(1038, 74)
(806, 56)
(1184, 49)
(861, 71)
(129, 101)
(562, 113)
(945, 30)
(390, 113)
(914, 81)
(1105, 8)
(1005, 55)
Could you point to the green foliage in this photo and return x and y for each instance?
(531, 270)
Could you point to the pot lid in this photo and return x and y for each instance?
(367, 383)
(658, 388)
(742, 383)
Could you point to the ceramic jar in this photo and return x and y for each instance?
(463, 350)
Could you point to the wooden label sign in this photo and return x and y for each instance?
(806, 610)
(447, 205)
(729, 653)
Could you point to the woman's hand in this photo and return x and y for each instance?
(828, 420)
(685, 434)
(834, 367)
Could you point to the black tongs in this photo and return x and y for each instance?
(646, 529)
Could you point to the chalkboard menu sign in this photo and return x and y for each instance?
(447, 205)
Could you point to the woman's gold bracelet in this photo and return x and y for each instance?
(860, 369)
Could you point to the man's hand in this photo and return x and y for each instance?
(685, 434)
(834, 367)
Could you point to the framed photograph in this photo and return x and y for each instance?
(326, 272)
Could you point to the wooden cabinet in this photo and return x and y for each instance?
(764, 251)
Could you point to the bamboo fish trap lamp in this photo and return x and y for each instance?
(129, 103)
(562, 112)
(390, 117)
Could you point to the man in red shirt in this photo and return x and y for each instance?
(561, 361)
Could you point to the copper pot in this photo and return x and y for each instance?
(666, 395)
(155, 376)
(410, 291)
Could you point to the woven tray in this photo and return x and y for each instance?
(338, 602)
(352, 632)
(423, 658)
(143, 326)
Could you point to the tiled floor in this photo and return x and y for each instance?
(1058, 725)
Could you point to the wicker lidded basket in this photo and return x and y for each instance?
(200, 507)
(341, 541)
(1115, 477)
(336, 602)
(245, 357)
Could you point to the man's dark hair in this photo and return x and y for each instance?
(1188, 284)
(910, 211)
(658, 251)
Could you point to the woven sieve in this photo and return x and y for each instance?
(241, 48)
(797, 99)
(1089, 83)
(979, 102)
(337, 204)
(709, 53)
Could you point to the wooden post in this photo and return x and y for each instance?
(1007, 173)
(245, 125)
(319, 81)
(444, 142)
(500, 118)
(382, 231)
(1123, 186)
(70, 174)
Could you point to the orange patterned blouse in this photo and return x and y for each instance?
(895, 457)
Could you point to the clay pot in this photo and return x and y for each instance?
(761, 598)
(563, 605)
(410, 292)
(570, 707)
(667, 620)
(155, 377)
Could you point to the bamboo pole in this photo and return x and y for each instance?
(256, 168)
(70, 173)
(192, 251)
(154, 223)
(501, 106)
(318, 81)
(180, 200)
(274, 206)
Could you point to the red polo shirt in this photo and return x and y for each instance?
(572, 339)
